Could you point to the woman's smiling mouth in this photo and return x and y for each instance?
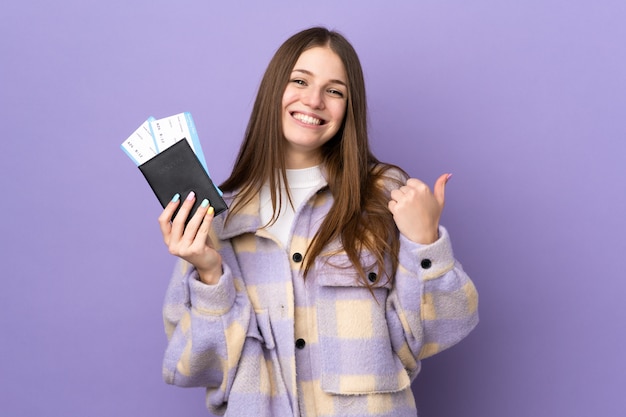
(309, 120)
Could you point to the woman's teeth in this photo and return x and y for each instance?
(307, 119)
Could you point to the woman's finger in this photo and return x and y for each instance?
(178, 223)
(439, 190)
(193, 226)
(202, 237)
(396, 194)
(416, 184)
(166, 216)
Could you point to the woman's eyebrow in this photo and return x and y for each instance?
(307, 72)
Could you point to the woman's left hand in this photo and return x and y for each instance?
(416, 210)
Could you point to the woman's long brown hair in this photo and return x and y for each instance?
(359, 216)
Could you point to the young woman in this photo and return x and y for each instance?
(330, 278)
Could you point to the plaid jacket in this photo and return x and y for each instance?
(266, 342)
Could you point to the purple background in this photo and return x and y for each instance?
(523, 101)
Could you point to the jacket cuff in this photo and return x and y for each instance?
(429, 261)
(212, 299)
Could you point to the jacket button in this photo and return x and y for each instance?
(300, 343)
(372, 276)
(426, 263)
(297, 257)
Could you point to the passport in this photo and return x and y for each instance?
(168, 154)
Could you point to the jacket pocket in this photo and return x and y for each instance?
(263, 329)
(259, 369)
(356, 354)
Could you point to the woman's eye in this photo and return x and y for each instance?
(335, 92)
(298, 81)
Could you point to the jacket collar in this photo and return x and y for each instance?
(247, 220)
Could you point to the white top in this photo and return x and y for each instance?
(301, 183)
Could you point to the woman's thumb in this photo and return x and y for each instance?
(440, 188)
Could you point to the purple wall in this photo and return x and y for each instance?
(525, 103)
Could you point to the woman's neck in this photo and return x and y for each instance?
(300, 160)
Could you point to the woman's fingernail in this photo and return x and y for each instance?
(448, 178)
(210, 210)
(205, 203)
(175, 198)
(191, 195)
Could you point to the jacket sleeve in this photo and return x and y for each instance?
(206, 326)
(433, 301)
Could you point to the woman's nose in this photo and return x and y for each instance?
(313, 98)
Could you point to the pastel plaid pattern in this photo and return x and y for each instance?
(266, 342)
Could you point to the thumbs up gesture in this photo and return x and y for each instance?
(416, 210)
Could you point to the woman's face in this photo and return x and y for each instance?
(314, 105)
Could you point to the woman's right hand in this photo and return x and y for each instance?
(192, 242)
